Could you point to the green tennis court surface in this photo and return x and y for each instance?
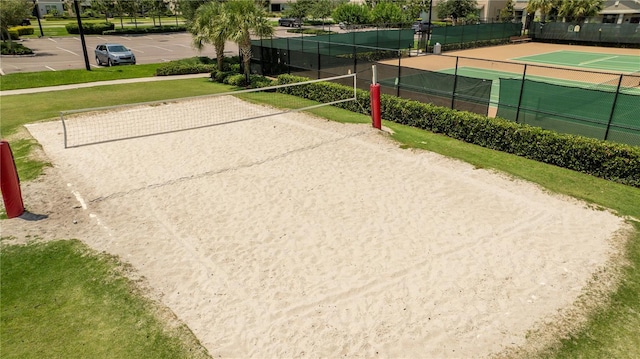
(496, 75)
(610, 62)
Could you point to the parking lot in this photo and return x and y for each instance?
(64, 53)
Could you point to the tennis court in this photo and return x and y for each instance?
(496, 75)
(590, 60)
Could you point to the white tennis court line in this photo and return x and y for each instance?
(542, 53)
(597, 60)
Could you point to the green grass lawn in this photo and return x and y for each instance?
(61, 300)
(612, 332)
(24, 80)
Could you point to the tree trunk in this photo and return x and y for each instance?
(220, 55)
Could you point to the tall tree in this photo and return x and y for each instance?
(456, 9)
(104, 7)
(352, 14)
(580, 10)
(507, 13)
(387, 12)
(11, 14)
(157, 8)
(415, 7)
(206, 28)
(545, 7)
(188, 8)
(321, 9)
(299, 9)
(244, 18)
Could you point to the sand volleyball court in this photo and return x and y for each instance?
(290, 236)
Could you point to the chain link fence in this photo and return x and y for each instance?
(589, 103)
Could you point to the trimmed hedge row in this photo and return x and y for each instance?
(90, 28)
(310, 31)
(612, 161)
(146, 30)
(16, 32)
(471, 45)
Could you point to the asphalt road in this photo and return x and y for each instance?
(64, 53)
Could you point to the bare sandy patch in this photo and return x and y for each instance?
(291, 236)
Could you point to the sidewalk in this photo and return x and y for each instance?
(101, 83)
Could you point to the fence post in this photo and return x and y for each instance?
(477, 31)
(613, 108)
(288, 58)
(462, 35)
(491, 31)
(524, 75)
(399, 73)
(445, 34)
(318, 59)
(455, 83)
(355, 59)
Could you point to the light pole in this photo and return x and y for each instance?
(429, 26)
(81, 31)
(36, 7)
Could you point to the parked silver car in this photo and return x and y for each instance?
(114, 54)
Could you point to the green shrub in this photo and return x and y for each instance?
(90, 13)
(13, 34)
(375, 55)
(612, 161)
(90, 28)
(471, 45)
(310, 31)
(260, 81)
(221, 76)
(193, 65)
(146, 30)
(319, 22)
(21, 30)
(236, 80)
(18, 49)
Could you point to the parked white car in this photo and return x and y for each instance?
(114, 54)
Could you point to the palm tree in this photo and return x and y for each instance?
(545, 6)
(207, 28)
(243, 18)
(579, 10)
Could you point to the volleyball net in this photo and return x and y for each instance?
(107, 124)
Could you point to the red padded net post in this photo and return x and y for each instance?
(376, 119)
(9, 182)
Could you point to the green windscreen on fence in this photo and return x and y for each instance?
(333, 44)
(599, 33)
(555, 107)
(471, 94)
(472, 33)
(625, 123)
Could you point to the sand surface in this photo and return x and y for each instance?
(291, 236)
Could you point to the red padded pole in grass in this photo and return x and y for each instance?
(9, 182)
(375, 106)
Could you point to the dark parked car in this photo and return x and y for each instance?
(114, 54)
(25, 22)
(419, 26)
(289, 22)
